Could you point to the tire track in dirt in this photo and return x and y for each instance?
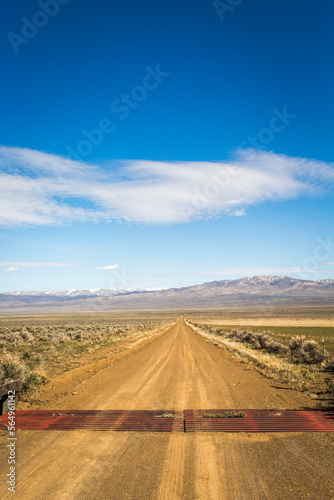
(171, 485)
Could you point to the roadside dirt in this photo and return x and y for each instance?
(89, 365)
(177, 370)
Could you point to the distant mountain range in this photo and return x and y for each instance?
(78, 292)
(214, 294)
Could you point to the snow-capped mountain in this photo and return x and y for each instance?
(79, 292)
(215, 294)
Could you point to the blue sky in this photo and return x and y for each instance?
(155, 144)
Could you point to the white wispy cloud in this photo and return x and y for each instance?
(39, 188)
(239, 213)
(15, 266)
(111, 266)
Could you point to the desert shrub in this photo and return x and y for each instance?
(11, 367)
(26, 335)
(259, 341)
(275, 347)
(305, 351)
(264, 339)
(31, 382)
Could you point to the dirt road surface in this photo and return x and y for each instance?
(177, 370)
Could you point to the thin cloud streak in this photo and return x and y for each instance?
(14, 266)
(108, 268)
(38, 188)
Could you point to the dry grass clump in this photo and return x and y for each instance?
(227, 414)
(166, 415)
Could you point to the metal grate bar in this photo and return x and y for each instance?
(261, 421)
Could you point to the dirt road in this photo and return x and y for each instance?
(177, 370)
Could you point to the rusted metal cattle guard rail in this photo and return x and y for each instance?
(261, 421)
(182, 421)
(97, 420)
